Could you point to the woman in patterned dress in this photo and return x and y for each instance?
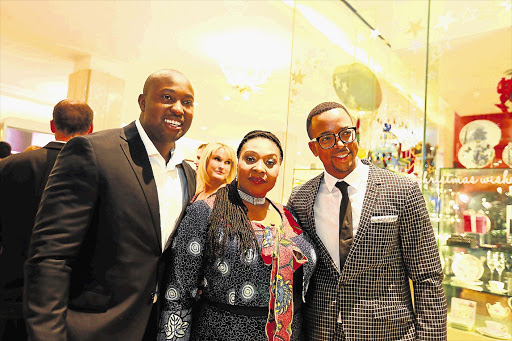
(255, 259)
(216, 168)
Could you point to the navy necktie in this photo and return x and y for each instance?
(345, 223)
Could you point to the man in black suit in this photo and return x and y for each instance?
(106, 217)
(23, 177)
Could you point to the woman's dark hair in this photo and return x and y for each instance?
(263, 134)
(229, 219)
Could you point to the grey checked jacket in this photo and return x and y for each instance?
(372, 292)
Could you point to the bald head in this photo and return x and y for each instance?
(165, 74)
(166, 108)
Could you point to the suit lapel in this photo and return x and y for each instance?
(190, 175)
(370, 198)
(137, 156)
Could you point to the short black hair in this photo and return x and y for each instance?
(5, 149)
(320, 108)
(260, 133)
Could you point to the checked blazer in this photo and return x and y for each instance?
(372, 292)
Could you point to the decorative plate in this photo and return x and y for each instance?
(476, 154)
(480, 131)
(495, 334)
(507, 154)
(467, 268)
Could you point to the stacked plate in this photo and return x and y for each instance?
(497, 334)
(467, 269)
(478, 140)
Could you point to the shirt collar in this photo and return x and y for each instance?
(354, 178)
(177, 155)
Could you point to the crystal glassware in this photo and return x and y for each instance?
(490, 263)
(499, 263)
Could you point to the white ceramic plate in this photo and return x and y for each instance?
(461, 282)
(476, 154)
(485, 331)
(480, 131)
(502, 291)
(507, 154)
(467, 268)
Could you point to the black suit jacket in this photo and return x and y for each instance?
(95, 255)
(23, 177)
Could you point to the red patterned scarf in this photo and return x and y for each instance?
(284, 255)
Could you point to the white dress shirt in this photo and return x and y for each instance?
(327, 207)
(171, 184)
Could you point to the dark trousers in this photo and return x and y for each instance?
(13, 330)
(152, 327)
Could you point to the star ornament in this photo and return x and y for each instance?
(395, 161)
(375, 33)
(415, 27)
(352, 101)
(298, 77)
(470, 14)
(337, 83)
(344, 87)
(507, 4)
(445, 20)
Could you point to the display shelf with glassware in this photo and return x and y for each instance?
(475, 218)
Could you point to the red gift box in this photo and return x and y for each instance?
(476, 222)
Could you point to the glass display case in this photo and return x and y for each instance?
(475, 218)
(300, 176)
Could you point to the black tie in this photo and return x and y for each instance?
(345, 223)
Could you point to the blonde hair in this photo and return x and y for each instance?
(202, 176)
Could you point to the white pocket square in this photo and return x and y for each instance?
(384, 219)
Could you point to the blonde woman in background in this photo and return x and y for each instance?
(217, 167)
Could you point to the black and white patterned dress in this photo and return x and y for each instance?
(233, 283)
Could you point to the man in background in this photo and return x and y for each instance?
(5, 150)
(373, 234)
(107, 215)
(23, 177)
(199, 152)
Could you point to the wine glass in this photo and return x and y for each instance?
(490, 262)
(508, 263)
(499, 263)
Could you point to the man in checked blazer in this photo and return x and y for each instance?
(369, 298)
(23, 178)
(106, 219)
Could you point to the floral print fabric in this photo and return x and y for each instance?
(235, 280)
(279, 251)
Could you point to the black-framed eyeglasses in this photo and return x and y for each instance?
(328, 141)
